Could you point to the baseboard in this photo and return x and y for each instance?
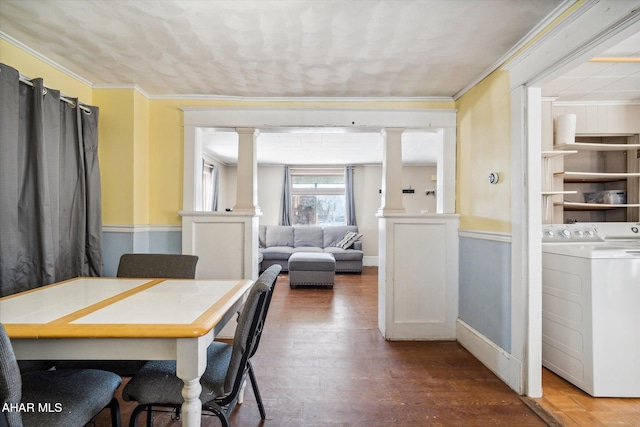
(493, 357)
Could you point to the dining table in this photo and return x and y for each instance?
(101, 318)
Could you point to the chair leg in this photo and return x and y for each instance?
(256, 392)
(133, 422)
(241, 392)
(223, 419)
(114, 406)
(149, 416)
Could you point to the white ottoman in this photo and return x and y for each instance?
(311, 269)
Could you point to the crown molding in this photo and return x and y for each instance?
(304, 98)
(6, 37)
(132, 86)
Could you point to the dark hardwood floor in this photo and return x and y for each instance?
(323, 362)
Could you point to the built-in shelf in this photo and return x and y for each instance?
(587, 146)
(546, 201)
(546, 161)
(595, 176)
(591, 170)
(556, 153)
(575, 206)
(555, 193)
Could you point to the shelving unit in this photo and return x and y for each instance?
(598, 163)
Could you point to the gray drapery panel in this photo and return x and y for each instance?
(285, 208)
(215, 181)
(350, 204)
(50, 209)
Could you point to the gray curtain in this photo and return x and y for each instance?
(350, 204)
(214, 188)
(50, 199)
(285, 208)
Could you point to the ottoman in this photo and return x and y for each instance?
(311, 269)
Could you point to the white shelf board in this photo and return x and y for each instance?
(594, 206)
(597, 175)
(555, 193)
(556, 153)
(586, 146)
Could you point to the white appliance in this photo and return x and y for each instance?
(591, 306)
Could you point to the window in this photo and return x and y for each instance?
(317, 196)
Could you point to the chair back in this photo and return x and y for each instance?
(269, 277)
(166, 266)
(10, 381)
(245, 337)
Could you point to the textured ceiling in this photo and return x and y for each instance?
(357, 48)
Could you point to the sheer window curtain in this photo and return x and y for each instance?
(209, 187)
(350, 204)
(285, 208)
(50, 197)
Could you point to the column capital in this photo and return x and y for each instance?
(386, 131)
(253, 131)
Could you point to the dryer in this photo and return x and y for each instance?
(591, 306)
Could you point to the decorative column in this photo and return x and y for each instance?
(391, 171)
(247, 184)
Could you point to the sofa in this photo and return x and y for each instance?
(278, 242)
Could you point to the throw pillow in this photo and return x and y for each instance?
(348, 239)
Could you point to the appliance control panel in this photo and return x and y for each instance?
(574, 233)
(618, 230)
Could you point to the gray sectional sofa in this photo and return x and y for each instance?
(278, 242)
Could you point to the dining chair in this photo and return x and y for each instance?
(166, 266)
(156, 384)
(144, 266)
(53, 398)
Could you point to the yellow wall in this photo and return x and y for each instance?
(484, 146)
(141, 161)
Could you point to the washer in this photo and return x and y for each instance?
(590, 306)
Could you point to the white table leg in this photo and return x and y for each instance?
(191, 362)
(241, 392)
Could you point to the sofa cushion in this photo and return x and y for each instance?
(277, 252)
(344, 254)
(307, 237)
(262, 236)
(310, 249)
(279, 235)
(334, 234)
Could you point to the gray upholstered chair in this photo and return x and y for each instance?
(60, 397)
(166, 266)
(156, 384)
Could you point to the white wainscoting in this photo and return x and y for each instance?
(418, 276)
(225, 242)
(485, 323)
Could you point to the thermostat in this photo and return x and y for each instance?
(494, 178)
